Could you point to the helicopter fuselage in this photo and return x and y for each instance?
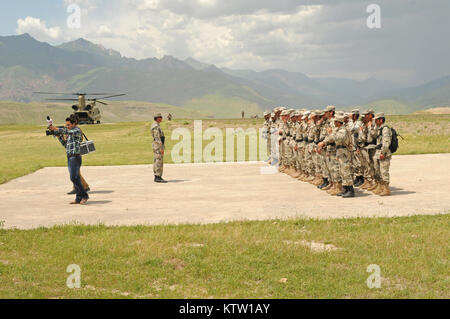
(87, 113)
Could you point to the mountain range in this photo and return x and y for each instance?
(27, 65)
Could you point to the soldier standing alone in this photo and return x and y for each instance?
(158, 149)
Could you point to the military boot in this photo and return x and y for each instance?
(305, 177)
(158, 179)
(365, 184)
(325, 183)
(359, 181)
(319, 181)
(350, 192)
(372, 186)
(343, 191)
(316, 180)
(378, 189)
(329, 186)
(290, 171)
(337, 189)
(333, 190)
(386, 190)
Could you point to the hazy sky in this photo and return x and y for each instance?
(317, 37)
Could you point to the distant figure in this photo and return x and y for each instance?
(243, 114)
(169, 117)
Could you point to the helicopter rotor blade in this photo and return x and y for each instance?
(47, 93)
(92, 94)
(75, 100)
(111, 96)
(97, 101)
(78, 94)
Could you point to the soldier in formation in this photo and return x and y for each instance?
(335, 151)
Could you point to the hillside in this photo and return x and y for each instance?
(436, 110)
(389, 106)
(123, 111)
(27, 65)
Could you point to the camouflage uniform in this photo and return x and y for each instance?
(309, 137)
(275, 146)
(158, 145)
(342, 139)
(323, 155)
(331, 160)
(293, 142)
(356, 153)
(315, 136)
(383, 142)
(288, 140)
(282, 128)
(302, 144)
(266, 133)
(367, 139)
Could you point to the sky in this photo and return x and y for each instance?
(321, 38)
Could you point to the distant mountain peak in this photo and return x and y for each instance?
(84, 45)
(196, 64)
(25, 35)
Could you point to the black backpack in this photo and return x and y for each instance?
(394, 141)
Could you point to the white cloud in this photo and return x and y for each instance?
(104, 31)
(85, 5)
(318, 37)
(38, 29)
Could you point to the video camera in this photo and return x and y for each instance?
(50, 132)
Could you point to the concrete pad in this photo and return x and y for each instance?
(209, 193)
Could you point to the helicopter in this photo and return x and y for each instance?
(86, 109)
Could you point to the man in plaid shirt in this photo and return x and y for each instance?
(74, 160)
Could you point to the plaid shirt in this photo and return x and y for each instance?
(74, 139)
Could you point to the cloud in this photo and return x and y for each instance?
(317, 37)
(38, 29)
(85, 5)
(104, 31)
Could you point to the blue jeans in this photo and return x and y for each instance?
(74, 165)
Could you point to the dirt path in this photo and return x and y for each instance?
(208, 193)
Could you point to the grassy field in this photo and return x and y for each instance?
(260, 259)
(264, 259)
(114, 112)
(25, 148)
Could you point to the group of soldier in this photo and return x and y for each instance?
(335, 151)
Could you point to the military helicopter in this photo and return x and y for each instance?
(86, 109)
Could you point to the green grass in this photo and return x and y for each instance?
(233, 260)
(114, 112)
(25, 148)
(390, 106)
(224, 107)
